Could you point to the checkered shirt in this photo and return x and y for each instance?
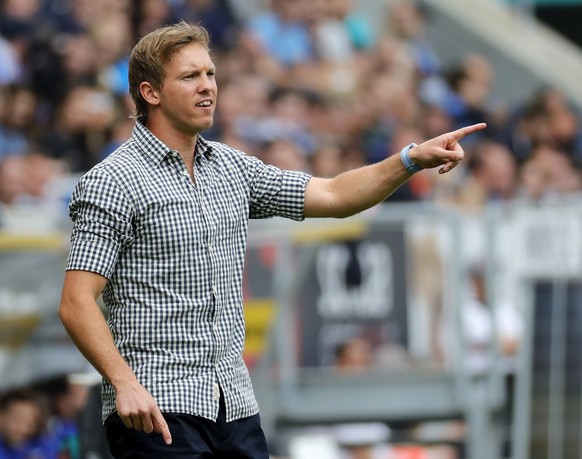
(173, 251)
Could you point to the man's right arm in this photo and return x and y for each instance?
(87, 327)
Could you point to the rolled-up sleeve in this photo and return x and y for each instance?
(102, 224)
(277, 192)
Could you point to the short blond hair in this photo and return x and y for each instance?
(151, 54)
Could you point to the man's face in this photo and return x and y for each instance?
(19, 422)
(188, 93)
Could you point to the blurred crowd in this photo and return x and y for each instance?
(304, 84)
(43, 420)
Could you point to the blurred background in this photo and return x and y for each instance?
(445, 323)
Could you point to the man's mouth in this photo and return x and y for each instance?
(204, 104)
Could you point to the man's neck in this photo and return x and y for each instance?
(179, 141)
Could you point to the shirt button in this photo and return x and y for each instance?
(215, 327)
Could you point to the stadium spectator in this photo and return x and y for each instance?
(284, 154)
(406, 20)
(112, 40)
(549, 174)
(82, 125)
(18, 20)
(337, 32)
(545, 118)
(18, 110)
(329, 117)
(34, 190)
(327, 159)
(486, 326)
(354, 356)
(390, 102)
(216, 15)
(290, 114)
(564, 123)
(282, 34)
(433, 119)
(492, 177)
(470, 98)
(64, 400)
(10, 66)
(23, 426)
(148, 15)
(234, 124)
(12, 177)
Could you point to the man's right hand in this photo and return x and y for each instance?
(138, 410)
(85, 323)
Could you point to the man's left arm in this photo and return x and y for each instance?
(359, 189)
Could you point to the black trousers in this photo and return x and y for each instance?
(193, 437)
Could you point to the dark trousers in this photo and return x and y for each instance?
(193, 437)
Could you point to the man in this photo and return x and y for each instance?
(160, 231)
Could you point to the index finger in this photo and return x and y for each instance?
(161, 426)
(467, 130)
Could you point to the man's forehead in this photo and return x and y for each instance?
(194, 53)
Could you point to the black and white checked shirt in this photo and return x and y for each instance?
(173, 252)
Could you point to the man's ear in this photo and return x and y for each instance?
(149, 93)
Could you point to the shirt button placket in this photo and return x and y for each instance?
(215, 327)
(213, 275)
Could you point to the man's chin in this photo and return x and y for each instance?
(206, 125)
(199, 127)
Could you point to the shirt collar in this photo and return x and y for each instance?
(204, 147)
(156, 150)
